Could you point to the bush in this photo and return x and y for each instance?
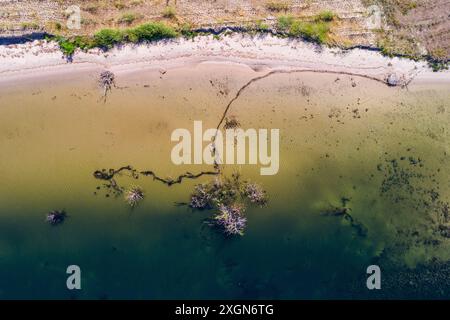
(119, 5)
(438, 59)
(439, 54)
(261, 26)
(150, 32)
(29, 26)
(107, 38)
(406, 6)
(169, 12)
(127, 18)
(83, 42)
(91, 8)
(187, 31)
(278, 5)
(67, 47)
(326, 16)
(437, 66)
(285, 22)
(58, 26)
(316, 31)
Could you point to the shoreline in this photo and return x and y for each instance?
(261, 52)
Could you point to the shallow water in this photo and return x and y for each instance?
(340, 136)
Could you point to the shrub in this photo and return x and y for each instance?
(150, 32)
(83, 42)
(67, 47)
(438, 59)
(91, 8)
(107, 38)
(58, 26)
(169, 12)
(29, 26)
(119, 5)
(437, 66)
(326, 16)
(261, 26)
(127, 18)
(88, 22)
(406, 6)
(316, 31)
(439, 54)
(278, 5)
(187, 31)
(285, 22)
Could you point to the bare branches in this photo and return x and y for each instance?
(106, 81)
(109, 175)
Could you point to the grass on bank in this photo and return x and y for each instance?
(128, 18)
(406, 47)
(29, 26)
(285, 22)
(278, 5)
(169, 12)
(438, 60)
(107, 38)
(315, 30)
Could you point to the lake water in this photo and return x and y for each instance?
(382, 150)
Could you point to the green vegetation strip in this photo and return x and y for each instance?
(316, 30)
(107, 38)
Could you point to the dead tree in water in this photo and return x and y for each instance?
(134, 195)
(106, 81)
(56, 217)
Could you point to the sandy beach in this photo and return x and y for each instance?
(263, 52)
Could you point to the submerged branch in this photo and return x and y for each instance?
(187, 175)
(109, 175)
(273, 72)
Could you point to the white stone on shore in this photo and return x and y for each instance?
(392, 80)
